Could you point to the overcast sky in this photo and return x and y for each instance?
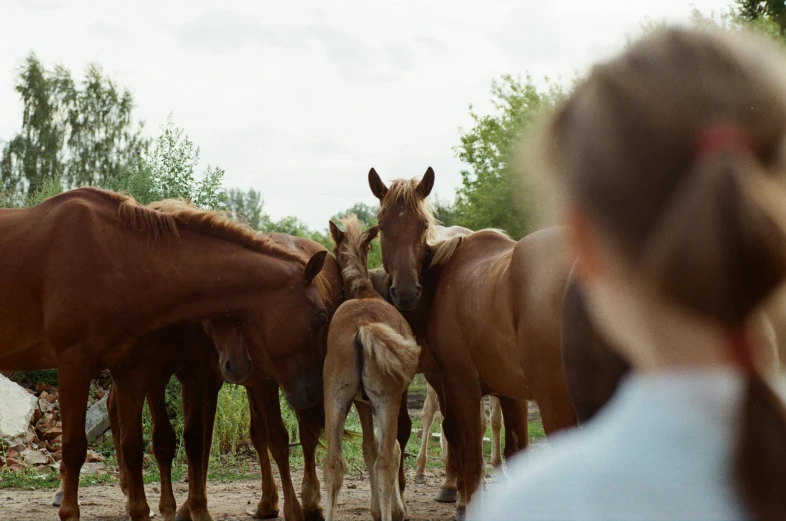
(300, 98)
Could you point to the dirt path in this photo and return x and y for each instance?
(228, 501)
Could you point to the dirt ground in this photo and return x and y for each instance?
(229, 501)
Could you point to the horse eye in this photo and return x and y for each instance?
(322, 316)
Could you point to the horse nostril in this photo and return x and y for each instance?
(228, 366)
(419, 289)
(393, 293)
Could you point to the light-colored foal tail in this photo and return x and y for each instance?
(394, 354)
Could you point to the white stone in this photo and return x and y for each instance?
(16, 410)
(35, 457)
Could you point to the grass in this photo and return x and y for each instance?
(233, 457)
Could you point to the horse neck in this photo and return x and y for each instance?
(360, 288)
(229, 277)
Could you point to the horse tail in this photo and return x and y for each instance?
(394, 354)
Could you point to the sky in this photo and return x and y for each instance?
(299, 99)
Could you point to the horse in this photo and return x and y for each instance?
(267, 429)
(184, 352)
(495, 321)
(443, 241)
(371, 359)
(88, 272)
(594, 370)
(188, 352)
(427, 418)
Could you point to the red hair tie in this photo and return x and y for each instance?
(741, 348)
(722, 138)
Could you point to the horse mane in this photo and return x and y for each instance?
(443, 249)
(353, 246)
(219, 224)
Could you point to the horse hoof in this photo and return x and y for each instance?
(314, 515)
(178, 517)
(420, 479)
(258, 514)
(461, 513)
(58, 499)
(447, 495)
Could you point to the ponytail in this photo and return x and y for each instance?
(720, 252)
(760, 465)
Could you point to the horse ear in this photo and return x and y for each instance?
(336, 234)
(371, 234)
(427, 183)
(314, 265)
(378, 188)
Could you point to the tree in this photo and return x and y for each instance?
(169, 171)
(770, 10)
(245, 206)
(82, 135)
(491, 194)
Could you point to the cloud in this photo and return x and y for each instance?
(218, 30)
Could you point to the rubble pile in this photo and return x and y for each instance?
(31, 429)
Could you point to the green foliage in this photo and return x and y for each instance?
(245, 206)
(232, 424)
(169, 171)
(81, 134)
(758, 10)
(447, 213)
(491, 195)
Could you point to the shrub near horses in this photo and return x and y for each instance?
(494, 324)
(86, 273)
(372, 357)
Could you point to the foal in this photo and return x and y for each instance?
(372, 357)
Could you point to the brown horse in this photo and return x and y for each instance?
(262, 388)
(188, 352)
(87, 273)
(495, 320)
(372, 357)
(427, 419)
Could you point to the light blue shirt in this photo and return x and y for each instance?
(661, 449)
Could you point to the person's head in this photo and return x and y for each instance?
(671, 157)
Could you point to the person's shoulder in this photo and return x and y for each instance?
(540, 481)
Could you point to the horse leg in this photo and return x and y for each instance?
(278, 442)
(427, 418)
(496, 432)
(448, 491)
(200, 395)
(74, 383)
(388, 459)
(267, 508)
(515, 416)
(114, 425)
(483, 424)
(131, 388)
(403, 432)
(462, 426)
(310, 423)
(336, 410)
(366, 417)
(164, 441)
